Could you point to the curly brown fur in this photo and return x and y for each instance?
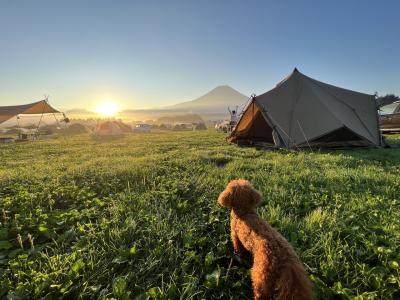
(277, 272)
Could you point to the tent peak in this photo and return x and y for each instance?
(291, 75)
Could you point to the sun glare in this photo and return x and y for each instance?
(107, 108)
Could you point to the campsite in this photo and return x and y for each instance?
(137, 217)
(89, 201)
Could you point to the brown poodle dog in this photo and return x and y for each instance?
(277, 272)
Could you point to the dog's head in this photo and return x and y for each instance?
(240, 194)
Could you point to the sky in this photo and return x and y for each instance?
(145, 54)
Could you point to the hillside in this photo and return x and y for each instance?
(215, 101)
(184, 118)
(80, 111)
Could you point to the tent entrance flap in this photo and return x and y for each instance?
(259, 130)
(252, 127)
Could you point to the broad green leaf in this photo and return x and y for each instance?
(3, 233)
(394, 264)
(76, 267)
(5, 245)
(42, 228)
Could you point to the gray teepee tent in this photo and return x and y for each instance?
(303, 112)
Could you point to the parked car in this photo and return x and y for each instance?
(142, 128)
(182, 126)
(390, 122)
(6, 140)
(165, 126)
(225, 126)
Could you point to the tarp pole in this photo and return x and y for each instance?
(40, 120)
(252, 118)
(19, 127)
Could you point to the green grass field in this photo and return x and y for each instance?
(137, 217)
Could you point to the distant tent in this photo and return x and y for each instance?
(48, 129)
(303, 112)
(200, 126)
(111, 128)
(76, 129)
(397, 109)
(124, 127)
(12, 131)
(40, 107)
(387, 100)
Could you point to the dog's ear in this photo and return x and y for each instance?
(225, 198)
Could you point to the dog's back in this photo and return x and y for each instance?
(291, 281)
(293, 284)
(277, 271)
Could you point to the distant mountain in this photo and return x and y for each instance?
(211, 106)
(215, 101)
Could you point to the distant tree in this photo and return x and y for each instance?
(387, 99)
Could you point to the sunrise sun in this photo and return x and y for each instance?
(107, 108)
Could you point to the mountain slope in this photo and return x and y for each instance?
(79, 111)
(216, 101)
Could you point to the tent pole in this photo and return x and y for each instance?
(40, 120)
(58, 124)
(54, 115)
(296, 95)
(19, 127)
(252, 118)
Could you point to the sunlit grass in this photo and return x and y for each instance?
(137, 217)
